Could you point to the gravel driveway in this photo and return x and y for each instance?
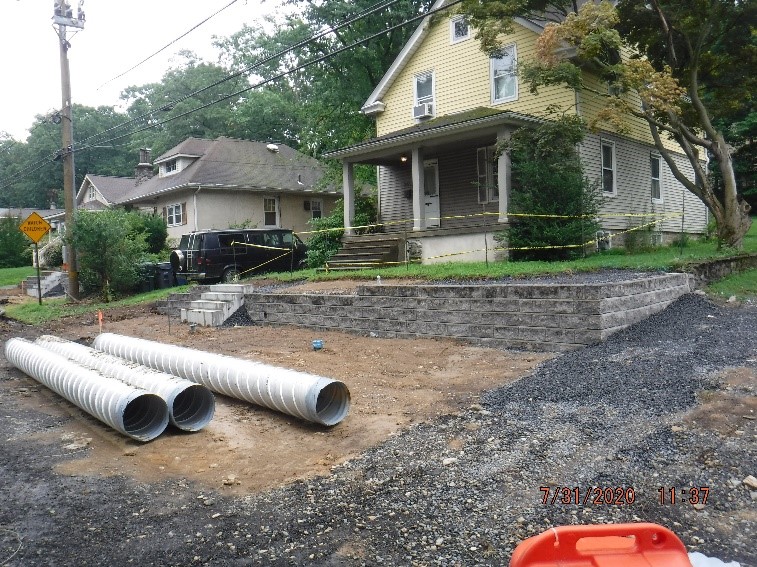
(667, 403)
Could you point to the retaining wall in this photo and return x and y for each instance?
(549, 317)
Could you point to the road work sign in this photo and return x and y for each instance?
(35, 227)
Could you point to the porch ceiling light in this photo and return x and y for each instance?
(403, 159)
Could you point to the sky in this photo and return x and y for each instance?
(116, 36)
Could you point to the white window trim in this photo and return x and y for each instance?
(312, 207)
(174, 171)
(492, 88)
(453, 20)
(276, 210)
(433, 91)
(174, 207)
(658, 157)
(614, 168)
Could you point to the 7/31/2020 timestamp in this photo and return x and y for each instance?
(672, 495)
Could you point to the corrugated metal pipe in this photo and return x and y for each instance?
(307, 396)
(131, 411)
(190, 405)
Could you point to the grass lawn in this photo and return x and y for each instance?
(669, 258)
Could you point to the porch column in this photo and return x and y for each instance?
(503, 176)
(348, 190)
(419, 212)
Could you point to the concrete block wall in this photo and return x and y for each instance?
(175, 302)
(550, 317)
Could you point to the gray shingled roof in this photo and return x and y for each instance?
(222, 163)
(232, 163)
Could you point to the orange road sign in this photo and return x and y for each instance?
(35, 227)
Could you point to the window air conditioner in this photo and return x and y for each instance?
(423, 110)
(604, 240)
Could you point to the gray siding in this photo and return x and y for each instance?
(634, 187)
(458, 192)
(393, 182)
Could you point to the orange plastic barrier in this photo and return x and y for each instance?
(609, 545)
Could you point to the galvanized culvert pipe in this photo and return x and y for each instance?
(190, 405)
(310, 397)
(131, 411)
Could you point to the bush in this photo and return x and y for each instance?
(109, 246)
(323, 245)
(52, 257)
(153, 227)
(15, 249)
(548, 182)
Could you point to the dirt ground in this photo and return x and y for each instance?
(393, 383)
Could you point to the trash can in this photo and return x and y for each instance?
(146, 273)
(163, 275)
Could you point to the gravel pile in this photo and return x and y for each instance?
(463, 490)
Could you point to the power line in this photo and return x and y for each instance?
(318, 35)
(167, 45)
(285, 73)
(329, 29)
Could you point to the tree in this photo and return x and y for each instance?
(325, 95)
(189, 101)
(548, 182)
(680, 74)
(109, 250)
(14, 245)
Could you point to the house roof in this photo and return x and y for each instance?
(225, 163)
(111, 188)
(450, 124)
(374, 104)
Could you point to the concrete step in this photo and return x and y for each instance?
(203, 317)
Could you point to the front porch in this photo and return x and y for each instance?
(442, 186)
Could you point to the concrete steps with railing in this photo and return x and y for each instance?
(51, 284)
(215, 305)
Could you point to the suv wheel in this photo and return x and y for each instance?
(230, 275)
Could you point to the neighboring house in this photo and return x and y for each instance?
(204, 184)
(441, 108)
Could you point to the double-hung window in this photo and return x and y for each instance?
(270, 211)
(316, 208)
(655, 175)
(504, 80)
(609, 171)
(488, 188)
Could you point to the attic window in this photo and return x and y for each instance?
(170, 167)
(459, 30)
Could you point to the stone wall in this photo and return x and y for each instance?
(551, 317)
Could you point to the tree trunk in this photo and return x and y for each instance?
(734, 221)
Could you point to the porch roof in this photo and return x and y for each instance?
(463, 125)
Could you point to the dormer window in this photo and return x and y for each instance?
(459, 30)
(170, 167)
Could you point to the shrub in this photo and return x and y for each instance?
(323, 245)
(153, 227)
(109, 246)
(548, 182)
(15, 249)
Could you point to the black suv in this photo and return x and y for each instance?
(228, 255)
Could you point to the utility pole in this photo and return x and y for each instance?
(63, 17)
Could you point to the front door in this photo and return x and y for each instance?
(431, 192)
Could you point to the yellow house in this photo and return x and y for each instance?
(441, 108)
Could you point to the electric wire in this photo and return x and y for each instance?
(168, 44)
(318, 35)
(282, 74)
(324, 31)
